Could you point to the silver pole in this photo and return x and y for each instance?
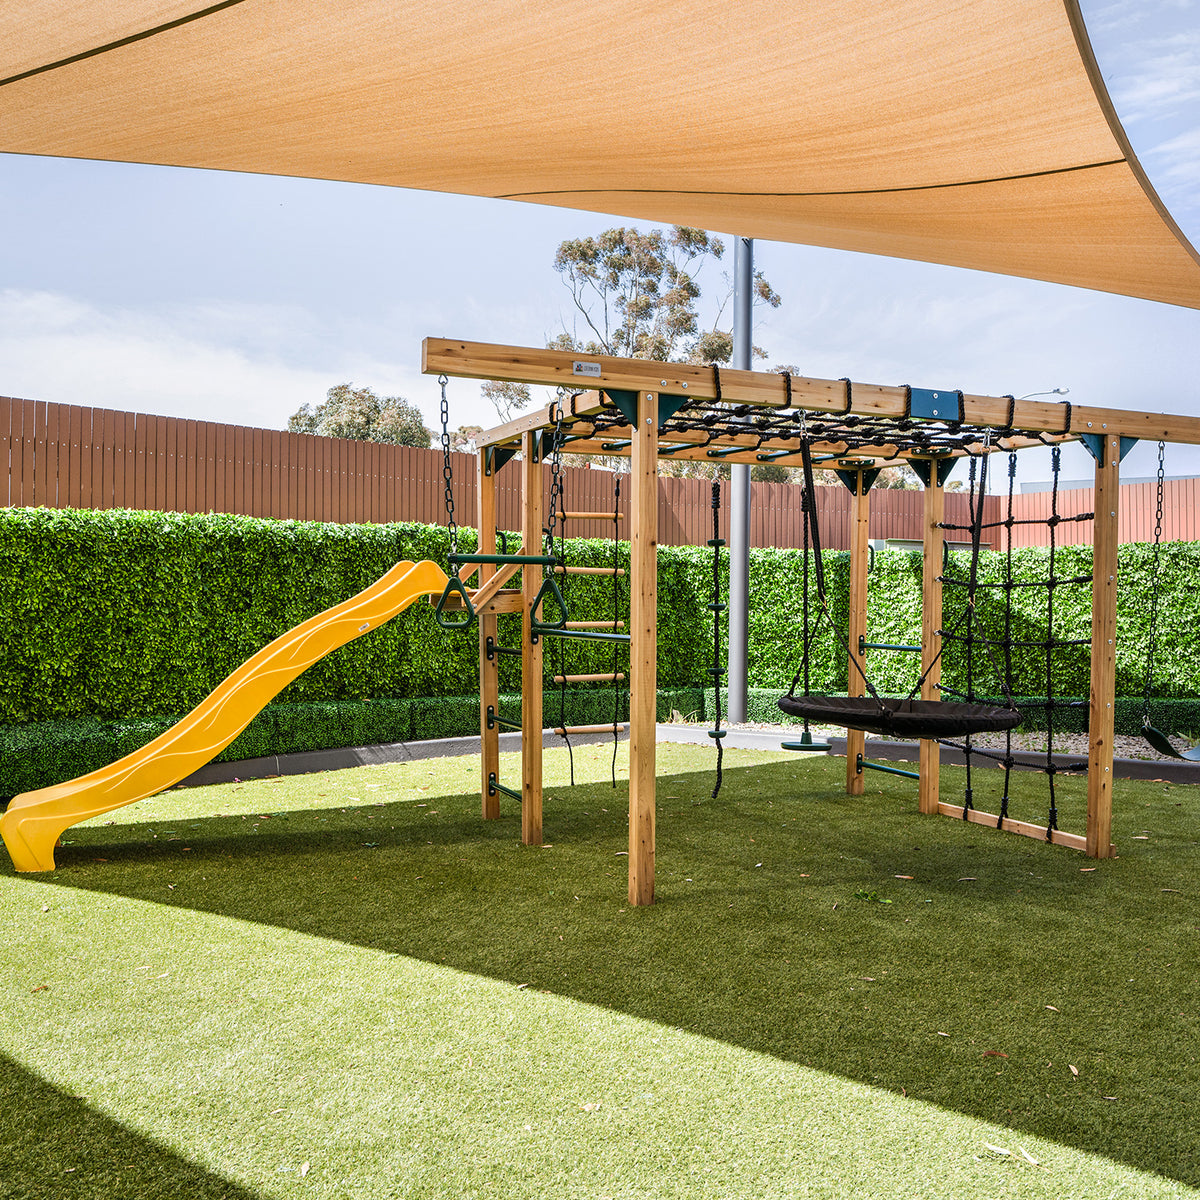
(739, 492)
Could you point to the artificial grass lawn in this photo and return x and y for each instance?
(352, 971)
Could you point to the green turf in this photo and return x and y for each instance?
(352, 971)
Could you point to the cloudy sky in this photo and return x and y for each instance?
(239, 298)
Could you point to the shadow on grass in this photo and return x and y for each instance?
(951, 963)
(54, 1146)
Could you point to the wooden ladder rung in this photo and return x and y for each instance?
(594, 625)
(591, 516)
(598, 677)
(562, 731)
(610, 571)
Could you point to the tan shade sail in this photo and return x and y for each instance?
(974, 134)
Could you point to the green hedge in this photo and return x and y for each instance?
(124, 617)
(47, 752)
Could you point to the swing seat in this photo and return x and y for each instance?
(1162, 744)
(900, 717)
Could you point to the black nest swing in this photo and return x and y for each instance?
(890, 716)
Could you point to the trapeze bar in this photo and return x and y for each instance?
(520, 560)
(861, 765)
(494, 785)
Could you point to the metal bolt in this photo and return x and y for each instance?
(935, 412)
(1089, 424)
(649, 420)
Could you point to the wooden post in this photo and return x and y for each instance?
(931, 622)
(489, 672)
(643, 648)
(856, 624)
(1104, 650)
(531, 654)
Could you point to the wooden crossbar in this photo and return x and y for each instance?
(564, 730)
(573, 369)
(591, 516)
(594, 625)
(596, 677)
(609, 571)
(1075, 841)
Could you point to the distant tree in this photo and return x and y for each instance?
(362, 416)
(637, 295)
(900, 478)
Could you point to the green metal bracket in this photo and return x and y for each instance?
(494, 457)
(627, 402)
(1095, 445)
(924, 405)
(850, 476)
(924, 468)
(668, 406)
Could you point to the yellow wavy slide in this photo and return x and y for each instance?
(34, 820)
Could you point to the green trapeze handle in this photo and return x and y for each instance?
(454, 584)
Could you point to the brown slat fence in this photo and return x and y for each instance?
(68, 456)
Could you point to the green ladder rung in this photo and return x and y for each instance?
(805, 746)
(718, 733)
(861, 765)
(717, 607)
(716, 542)
(494, 785)
(586, 635)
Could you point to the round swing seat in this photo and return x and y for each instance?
(901, 718)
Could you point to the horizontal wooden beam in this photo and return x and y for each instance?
(1076, 841)
(576, 371)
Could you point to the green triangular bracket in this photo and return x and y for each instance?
(1095, 445)
(668, 406)
(625, 401)
(849, 476)
(494, 457)
(924, 468)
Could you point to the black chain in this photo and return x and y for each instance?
(448, 474)
(557, 518)
(1158, 520)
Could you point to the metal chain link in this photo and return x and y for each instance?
(557, 515)
(448, 473)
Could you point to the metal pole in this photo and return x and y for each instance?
(739, 492)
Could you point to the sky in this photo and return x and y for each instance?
(239, 298)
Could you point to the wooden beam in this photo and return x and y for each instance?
(643, 649)
(1075, 841)
(489, 678)
(931, 621)
(856, 625)
(570, 369)
(1106, 503)
(531, 653)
